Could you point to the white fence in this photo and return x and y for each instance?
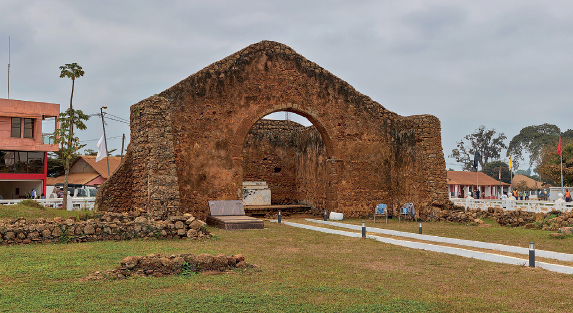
(515, 205)
(74, 204)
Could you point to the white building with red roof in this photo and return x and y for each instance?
(461, 184)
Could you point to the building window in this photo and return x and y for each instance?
(23, 162)
(16, 128)
(28, 128)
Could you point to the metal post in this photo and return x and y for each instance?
(478, 193)
(279, 216)
(363, 230)
(561, 156)
(325, 215)
(122, 143)
(420, 228)
(105, 139)
(531, 255)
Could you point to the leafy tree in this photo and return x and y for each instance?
(526, 172)
(90, 152)
(55, 164)
(522, 185)
(532, 140)
(72, 71)
(550, 164)
(69, 144)
(492, 169)
(485, 142)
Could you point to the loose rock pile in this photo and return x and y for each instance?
(110, 226)
(157, 265)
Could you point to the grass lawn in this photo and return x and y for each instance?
(299, 271)
(35, 210)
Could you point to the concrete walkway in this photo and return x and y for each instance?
(459, 242)
(431, 247)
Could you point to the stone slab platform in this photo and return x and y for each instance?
(235, 222)
(263, 209)
(226, 207)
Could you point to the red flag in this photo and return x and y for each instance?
(559, 146)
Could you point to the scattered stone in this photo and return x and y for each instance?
(157, 265)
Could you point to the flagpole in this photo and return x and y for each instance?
(477, 181)
(561, 155)
(105, 140)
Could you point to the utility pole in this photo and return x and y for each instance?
(8, 67)
(122, 142)
(105, 139)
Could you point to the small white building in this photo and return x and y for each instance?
(461, 184)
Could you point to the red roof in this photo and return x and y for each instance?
(99, 169)
(469, 178)
(101, 166)
(77, 178)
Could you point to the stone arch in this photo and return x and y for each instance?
(248, 122)
(187, 141)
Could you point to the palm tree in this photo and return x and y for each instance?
(72, 71)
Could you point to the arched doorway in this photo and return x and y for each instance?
(289, 156)
(292, 159)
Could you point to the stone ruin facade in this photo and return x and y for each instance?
(199, 140)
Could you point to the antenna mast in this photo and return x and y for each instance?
(8, 67)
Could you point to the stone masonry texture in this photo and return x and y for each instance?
(197, 141)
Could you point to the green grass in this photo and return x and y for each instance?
(299, 271)
(35, 211)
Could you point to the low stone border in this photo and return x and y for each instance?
(551, 221)
(157, 265)
(110, 226)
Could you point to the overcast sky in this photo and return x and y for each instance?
(505, 64)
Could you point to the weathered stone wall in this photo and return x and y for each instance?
(110, 226)
(418, 164)
(146, 179)
(371, 155)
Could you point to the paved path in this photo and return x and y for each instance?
(459, 242)
(431, 247)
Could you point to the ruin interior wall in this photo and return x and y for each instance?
(290, 158)
(270, 155)
(311, 169)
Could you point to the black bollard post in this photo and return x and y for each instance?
(420, 228)
(363, 230)
(279, 216)
(325, 215)
(531, 255)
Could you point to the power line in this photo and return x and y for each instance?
(121, 118)
(113, 119)
(108, 138)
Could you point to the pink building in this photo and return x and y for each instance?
(23, 147)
